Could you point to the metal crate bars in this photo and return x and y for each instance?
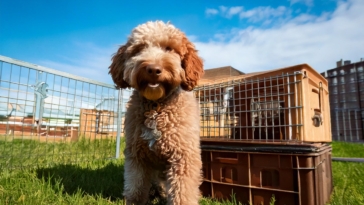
(288, 104)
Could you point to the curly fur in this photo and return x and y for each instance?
(162, 65)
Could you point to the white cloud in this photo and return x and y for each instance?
(317, 40)
(303, 18)
(234, 10)
(192, 37)
(308, 3)
(223, 9)
(262, 13)
(211, 12)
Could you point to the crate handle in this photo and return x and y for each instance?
(227, 160)
(318, 92)
(317, 117)
(315, 90)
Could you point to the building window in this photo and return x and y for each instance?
(334, 90)
(342, 99)
(352, 78)
(342, 89)
(342, 72)
(333, 99)
(353, 88)
(361, 76)
(353, 98)
(333, 73)
(342, 79)
(352, 70)
(334, 81)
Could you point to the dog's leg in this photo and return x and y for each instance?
(137, 182)
(183, 183)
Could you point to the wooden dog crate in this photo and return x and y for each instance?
(253, 173)
(284, 104)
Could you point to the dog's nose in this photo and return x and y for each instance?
(154, 70)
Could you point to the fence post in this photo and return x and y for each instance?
(118, 127)
(40, 90)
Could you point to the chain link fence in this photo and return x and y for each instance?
(48, 116)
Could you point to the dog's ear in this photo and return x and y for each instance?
(193, 66)
(117, 67)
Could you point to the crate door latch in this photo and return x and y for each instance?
(317, 117)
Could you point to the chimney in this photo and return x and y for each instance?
(339, 63)
(324, 74)
(347, 62)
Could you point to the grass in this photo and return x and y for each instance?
(348, 177)
(348, 183)
(344, 149)
(59, 180)
(64, 184)
(60, 173)
(17, 153)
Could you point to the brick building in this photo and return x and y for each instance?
(346, 86)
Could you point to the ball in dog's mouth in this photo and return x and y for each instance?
(154, 91)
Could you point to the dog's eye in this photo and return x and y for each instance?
(168, 48)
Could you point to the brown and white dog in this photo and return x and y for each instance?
(162, 119)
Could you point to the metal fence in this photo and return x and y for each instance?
(347, 124)
(49, 116)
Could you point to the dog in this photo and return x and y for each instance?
(162, 120)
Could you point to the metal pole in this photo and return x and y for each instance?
(118, 127)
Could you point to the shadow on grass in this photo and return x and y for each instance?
(106, 181)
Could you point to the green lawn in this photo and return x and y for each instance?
(18, 153)
(348, 183)
(90, 181)
(86, 183)
(348, 176)
(344, 149)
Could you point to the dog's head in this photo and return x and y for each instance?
(155, 60)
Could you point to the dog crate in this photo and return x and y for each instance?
(299, 174)
(288, 104)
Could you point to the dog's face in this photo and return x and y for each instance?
(156, 59)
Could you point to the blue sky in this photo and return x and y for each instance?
(79, 37)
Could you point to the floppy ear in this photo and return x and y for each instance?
(193, 66)
(117, 67)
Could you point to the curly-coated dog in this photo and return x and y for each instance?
(162, 118)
